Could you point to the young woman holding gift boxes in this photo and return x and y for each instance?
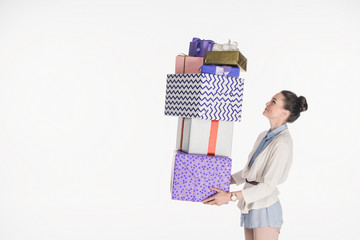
(268, 165)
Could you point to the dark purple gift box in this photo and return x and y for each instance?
(194, 174)
(198, 47)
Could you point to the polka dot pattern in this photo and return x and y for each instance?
(194, 174)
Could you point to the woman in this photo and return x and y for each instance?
(268, 165)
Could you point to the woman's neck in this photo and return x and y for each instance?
(275, 124)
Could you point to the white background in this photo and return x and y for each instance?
(85, 148)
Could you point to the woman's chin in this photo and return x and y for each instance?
(265, 113)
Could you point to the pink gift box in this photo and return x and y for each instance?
(186, 64)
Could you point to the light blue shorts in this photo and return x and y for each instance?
(264, 217)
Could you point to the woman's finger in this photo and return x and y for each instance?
(216, 189)
(208, 199)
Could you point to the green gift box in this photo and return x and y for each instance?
(232, 58)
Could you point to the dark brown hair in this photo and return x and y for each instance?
(294, 104)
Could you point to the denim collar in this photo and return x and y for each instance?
(271, 134)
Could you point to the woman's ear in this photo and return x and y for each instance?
(286, 114)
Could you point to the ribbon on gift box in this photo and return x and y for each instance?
(183, 55)
(226, 46)
(222, 70)
(182, 133)
(195, 51)
(197, 45)
(212, 138)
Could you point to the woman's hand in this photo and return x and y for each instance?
(220, 198)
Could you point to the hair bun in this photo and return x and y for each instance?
(303, 104)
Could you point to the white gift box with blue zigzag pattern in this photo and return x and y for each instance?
(204, 96)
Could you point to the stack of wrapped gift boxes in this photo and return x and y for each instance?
(206, 94)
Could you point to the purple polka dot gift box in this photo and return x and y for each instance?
(193, 174)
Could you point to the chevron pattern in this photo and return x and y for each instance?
(205, 96)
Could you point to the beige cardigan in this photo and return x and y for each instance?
(270, 168)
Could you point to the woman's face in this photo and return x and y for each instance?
(274, 109)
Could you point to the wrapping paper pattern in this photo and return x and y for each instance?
(194, 174)
(204, 96)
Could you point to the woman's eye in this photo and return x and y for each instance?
(273, 101)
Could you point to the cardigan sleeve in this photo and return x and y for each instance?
(238, 177)
(275, 172)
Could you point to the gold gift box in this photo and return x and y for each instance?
(233, 58)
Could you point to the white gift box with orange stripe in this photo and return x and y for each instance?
(208, 137)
